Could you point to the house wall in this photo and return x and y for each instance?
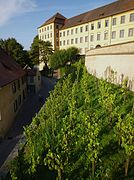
(65, 39)
(8, 109)
(47, 33)
(35, 81)
(75, 36)
(38, 81)
(114, 63)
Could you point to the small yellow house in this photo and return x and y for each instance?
(12, 91)
(33, 79)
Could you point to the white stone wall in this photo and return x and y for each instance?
(114, 63)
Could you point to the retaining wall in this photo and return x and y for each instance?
(114, 63)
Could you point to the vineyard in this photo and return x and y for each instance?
(85, 130)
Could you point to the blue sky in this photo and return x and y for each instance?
(21, 18)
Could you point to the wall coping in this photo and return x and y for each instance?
(118, 49)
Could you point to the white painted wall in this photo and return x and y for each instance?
(119, 58)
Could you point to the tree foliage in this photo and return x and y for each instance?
(45, 50)
(61, 57)
(15, 50)
(40, 51)
(84, 131)
(34, 51)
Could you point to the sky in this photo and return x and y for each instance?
(21, 18)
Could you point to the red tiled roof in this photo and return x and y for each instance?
(53, 18)
(99, 13)
(9, 69)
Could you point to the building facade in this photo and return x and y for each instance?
(104, 26)
(33, 79)
(49, 31)
(12, 91)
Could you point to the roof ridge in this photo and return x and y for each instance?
(110, 9)
(53, 18)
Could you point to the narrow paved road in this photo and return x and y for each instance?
(30, 107)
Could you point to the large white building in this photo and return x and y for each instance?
(104, 26)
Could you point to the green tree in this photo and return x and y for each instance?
(15, 50)
(61, 57)
(40, 51)
(45, 50)
(34, 51)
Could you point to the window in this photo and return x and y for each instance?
(31, 79)
(57, 43)
(132, 17)
(50, 26)
(14, 87)
(57, 34)
(98, 37)
(105, 35)
(92, 26)
(99, 25)
(57, 26)
(122, 33)
(0, 116)
(86, 28)
(60, 43)
(39, 78)
(45, 36)
(23, 94)
(76, 40)
(67, 32)
(42, 29)
(22, 80)
(68, 42)
(64, 42)
(86, 38)
(64, 33)
(114, 21)
(15, 106)
(122, 19)
(51, 35)
(76, 30)
(106, 23)
(131, 32)
(19, 100)
(72, 41)
(113, 34)
(72, 31)
(81, 39)
(18, 84)
(48, 35)
(81, 29)
(60, 34)
(92, 38)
